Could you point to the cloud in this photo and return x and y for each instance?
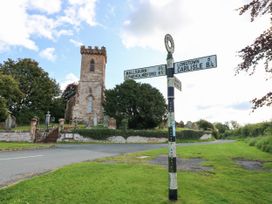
(69, 78)
(48, 53)
(76, 43)
(149, 21)
(246, 105)
(48, 6)
(22, 21)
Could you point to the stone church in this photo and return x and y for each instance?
(86, 105)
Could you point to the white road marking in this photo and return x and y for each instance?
(14, 158)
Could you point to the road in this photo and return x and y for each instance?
(18, 165)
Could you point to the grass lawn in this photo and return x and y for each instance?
(6, 146)
(128, 179)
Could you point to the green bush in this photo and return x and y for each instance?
(263, 143)
(102, 134)
(251, 130)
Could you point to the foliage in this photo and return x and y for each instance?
(143, 105)
(128, 179)
(124, 124)
(3, 109)
(234, 124)
(261, 49)
(180, 124)
(69, 91)
(57, 108)
(222, 128)
(38, 89)
(264, 143)
(10, 95)
(103, 134)
(204, 125)
(251, 130)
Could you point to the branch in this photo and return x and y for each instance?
(257, 7)
(264, 101)
(260, 49)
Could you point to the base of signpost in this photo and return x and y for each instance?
(173, 194)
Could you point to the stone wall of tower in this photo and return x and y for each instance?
(91, 84)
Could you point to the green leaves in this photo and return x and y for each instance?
(36, 89)
(143, 105)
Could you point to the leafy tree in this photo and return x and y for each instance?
(38, 89)
(180, 124)
(141, 104)
(3, 109)
(234, 124)
(69, 91)
(57, 108)
(260, 49)
(10, 94)
(205, 125)
(222, 128)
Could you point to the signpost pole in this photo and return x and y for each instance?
(172, 161)
(172, 68)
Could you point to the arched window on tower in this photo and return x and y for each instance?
(92, 66)
(90, 104)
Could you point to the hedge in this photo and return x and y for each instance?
(264, 143)
(251, 130)
(103, 134)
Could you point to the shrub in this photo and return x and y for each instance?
(251, 130)
(263, 143)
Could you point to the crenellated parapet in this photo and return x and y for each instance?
(93, 51)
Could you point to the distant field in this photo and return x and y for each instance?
(129, 179)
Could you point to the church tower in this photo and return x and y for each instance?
(90, 91)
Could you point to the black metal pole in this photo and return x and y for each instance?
(172, 162)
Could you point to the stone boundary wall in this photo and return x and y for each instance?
(15, 136)
(114, 139)
(26, 137)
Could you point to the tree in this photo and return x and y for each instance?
(205, 125)
(260, 50)
(3, 109)
(38, 89)
(69, 91)
(141, 104)
(10, 95)
(57, 108)
(234, 124)
(222, 128)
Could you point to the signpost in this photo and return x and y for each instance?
(177, 83)
(170, 69)
(146, 72)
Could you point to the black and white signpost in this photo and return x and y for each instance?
(169, 70)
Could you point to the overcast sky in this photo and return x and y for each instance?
(51, 31)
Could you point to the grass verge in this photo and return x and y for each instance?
(10, 146)
(128, 179)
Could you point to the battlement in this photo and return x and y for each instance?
(93, 50)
